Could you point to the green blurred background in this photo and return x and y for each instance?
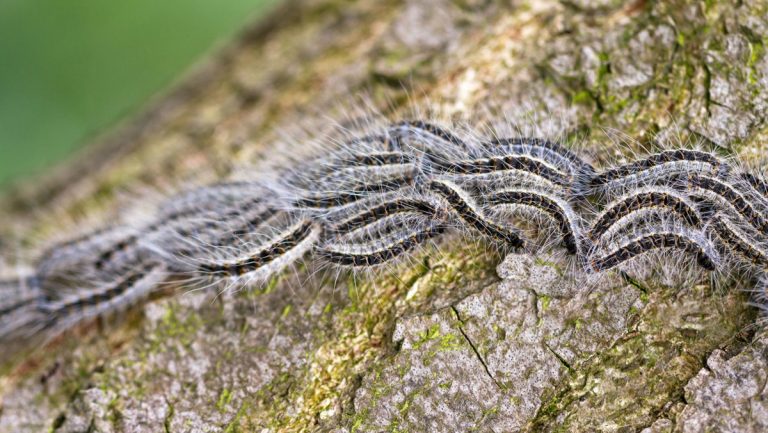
(71, 68)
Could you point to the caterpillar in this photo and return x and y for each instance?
(419, 128)
(95, 299)
(17, 292)
(692, 242)
(732, 198)
(380, 251)
(377, 197)
(644, 198)
(547, 150)
(260, 261)
(331, 199)
(464, 206)
(383, 210)
(492, 164)
(738, 242)
(555, 208)
(675, 159)
(206, 198)
(65, 264)
(757, 183)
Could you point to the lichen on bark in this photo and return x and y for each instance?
(446, 341)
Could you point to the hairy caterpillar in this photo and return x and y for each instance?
(738, 242)
(464, 206)
(553, 207)
(756, 182)
(644, 198)
(260, 258)
(546, 150)
(380, 251)
(375, 198)
(733, 198)
(492, 164)
(672, 160)
(91, 302)
(424, 131)
(689, 241)
(352, 193)
(386, 209)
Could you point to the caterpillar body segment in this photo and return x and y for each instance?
(376, 142)
(17, 292)
(250, 223)
(371, 153)
(23, 321)
(48, 316)
(653, 170)
(209, 198)
(639, 220)
(87, 258)
(373, 159)
(506, 179)
(197, 237)
(350, 178)
(756, 182)
(135, 284)
(81, 249)
(329, 198)
(380, 229)
(102, 301)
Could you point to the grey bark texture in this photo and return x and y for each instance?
(457, 341)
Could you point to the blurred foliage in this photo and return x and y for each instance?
(71, 68)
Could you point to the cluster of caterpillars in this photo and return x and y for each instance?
(373, 199)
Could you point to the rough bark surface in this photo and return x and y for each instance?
(462, 341)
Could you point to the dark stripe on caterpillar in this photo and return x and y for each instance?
(755, 182)
(373, 159)
(207, 198)
(91, 298)
(389, 143)
(250, 226)
(383, 210)
(17, 292)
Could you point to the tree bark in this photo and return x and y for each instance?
(461, 341)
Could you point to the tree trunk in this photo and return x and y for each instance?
(461, 341)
